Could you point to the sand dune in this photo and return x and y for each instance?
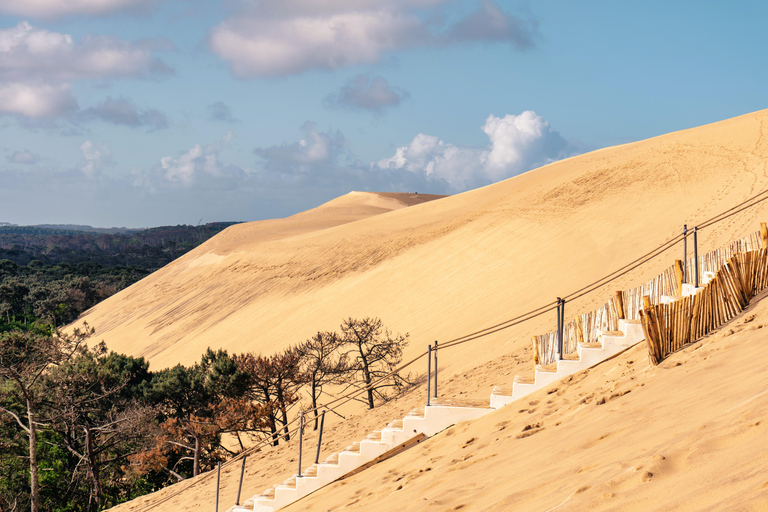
(444, 268)
(678, 440)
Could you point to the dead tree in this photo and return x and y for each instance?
(322, 363)
(273, 383)
(375, 354)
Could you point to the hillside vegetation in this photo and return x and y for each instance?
(52, 275)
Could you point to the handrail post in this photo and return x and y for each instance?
(435, 368)
(240, 486)
(695, 258)
(560, 316)
(429, 371)
(301, 435)
(218, 481)
(685, 253)
(320, 437)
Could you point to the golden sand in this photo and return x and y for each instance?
(621, 436)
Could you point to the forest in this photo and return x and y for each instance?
(83, 428)
(52, 275)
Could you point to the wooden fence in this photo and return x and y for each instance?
(681, 322)
(669, 327)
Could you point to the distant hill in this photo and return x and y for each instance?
(147, 248)
(90, 229)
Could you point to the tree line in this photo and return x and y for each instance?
(147, 248)
(53, 275)
(83, 428)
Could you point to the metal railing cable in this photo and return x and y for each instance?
(282, 433)
(748, 203)
(344, 399)
(734, 210)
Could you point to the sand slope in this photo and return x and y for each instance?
(690, 434)
(685, 437)
(444, 268)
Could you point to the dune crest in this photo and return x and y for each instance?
(623, 435)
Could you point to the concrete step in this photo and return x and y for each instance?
(609, 344)
(398, 435)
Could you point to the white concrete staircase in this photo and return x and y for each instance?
(398, 435)
(587, 355)
(424, 422)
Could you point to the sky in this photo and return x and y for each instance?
(140, 113)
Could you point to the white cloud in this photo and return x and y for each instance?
(28, 52)
(517, 144)
(23, 157)
(37, 68)
(185, 169)
(366, 92)
(283, 38)
(256, 46)
(57, 8)
(36, 100)
(96, 156)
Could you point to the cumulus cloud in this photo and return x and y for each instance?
(58, 8)
(294, 36)
(321, 164)
(123, 112)
(257, 46)
(314, 149)
(289, 177)
(365, 92)
(36, 99)
(37, 68)
(186, 169)
(490, 23)
(517, 144)
(23, 157)
(96, 156)
(219, 111)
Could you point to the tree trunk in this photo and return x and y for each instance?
(284, 413)
(367, 378)
(33, 478)
(93, 466)
(273, 429)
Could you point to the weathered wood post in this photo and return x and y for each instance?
(652, 337)
(620, 305)
(764, 235)
(679, 275)
(535, 351)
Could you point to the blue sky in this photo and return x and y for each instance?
(152, 112)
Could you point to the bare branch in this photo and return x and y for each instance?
(18, 420)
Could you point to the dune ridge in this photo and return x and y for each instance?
(451, 266)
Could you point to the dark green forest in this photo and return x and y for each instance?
(52, 275)
(83, 428)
